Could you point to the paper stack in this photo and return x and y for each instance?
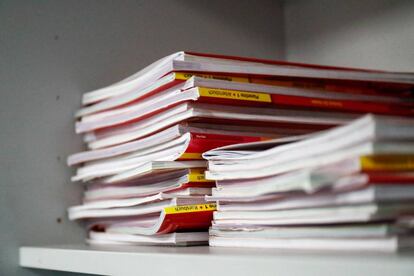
(146, 134)
(348, 188)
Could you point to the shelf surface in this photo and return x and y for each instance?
(203, 260)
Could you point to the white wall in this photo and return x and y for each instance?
(362, 33)
(53, 51)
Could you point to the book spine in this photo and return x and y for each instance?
(198, 175)
(226, 96)
(390, 90)
(387, 162)
(390, 178)
(187, 218)
(198, 184)
(190, 208)
(234, 95)
(343, 105)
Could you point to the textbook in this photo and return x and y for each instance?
(356, 176)
(374, 237)
(159, 214)
(186, 111)
(173, 239)
(306, 121)
(364, 137)
(199, 132)
(318, 215)
(391, 244)
(150, 170)
(172, 219)
(146, 206)
(239, 66)
(177, 182)
(148, 218)
(371, 193)
(369, 230)
(235, 93)
(306, 181)
(188, 146)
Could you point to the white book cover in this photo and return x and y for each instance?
(371, 194)
(348, 231)
(175, 184)
(141, 207)
(316, 216)
(179, 239)
(151, 168)
(389, 244)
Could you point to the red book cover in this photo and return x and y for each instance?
(187, 218)
(233, 97)
(391, 177)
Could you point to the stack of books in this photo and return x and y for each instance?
(348, 188)
(144, 171)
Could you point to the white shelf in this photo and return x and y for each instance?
(203, 260)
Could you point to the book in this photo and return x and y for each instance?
(307, 181)
(349, 231)
(156, 110)
(344, 189)
(390, 244)
(373, 193)
(150, 169)
(370, 156)
(207, 113)
(195, 217)
(168, 134)
(360, 213)
(348, 172)
(172, 219)
(193, 62)
(176, 184)
(362, 128)
(149, 205)
(287, 99)
(362, 138)
(169, 91)
(177, 239)
(186, 146)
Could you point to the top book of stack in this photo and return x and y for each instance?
(285, 72)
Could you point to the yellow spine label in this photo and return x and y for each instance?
(186, 76)
(197, 175)
(191, 155)
(387, 162)
(190, 208)
(234, 95)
